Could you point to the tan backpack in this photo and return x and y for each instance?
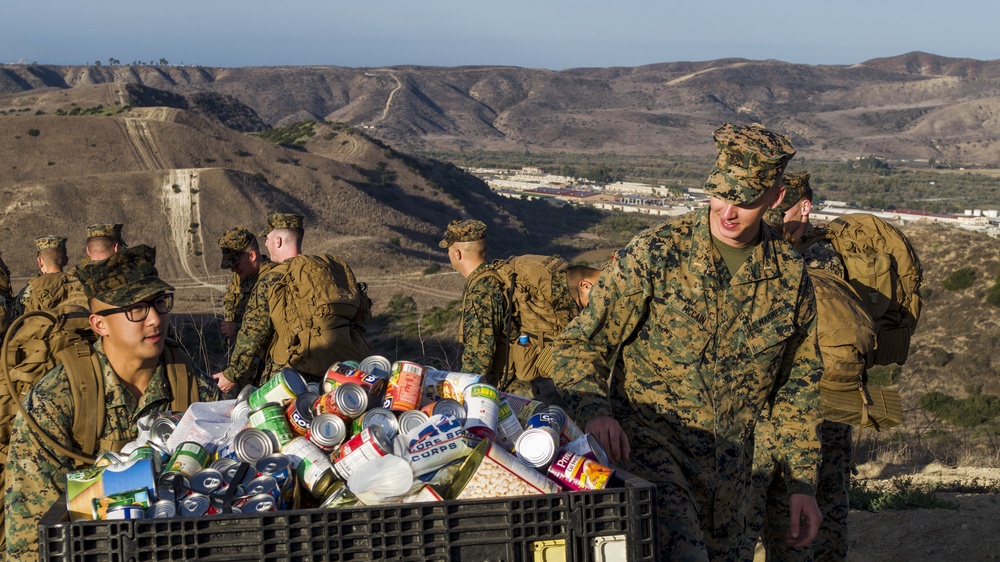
(847, 341)
(318, 308)
(51, 290)
(885, 272)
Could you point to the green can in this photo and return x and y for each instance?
(271, 418)
(281, 388)
(188, 458)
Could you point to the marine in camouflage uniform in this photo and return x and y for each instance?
(6, 298)
(35, 473)
(52, 287)
(768, 504)
(706, 350)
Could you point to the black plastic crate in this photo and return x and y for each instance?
(616, 523)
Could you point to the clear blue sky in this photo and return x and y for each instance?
(554, 34)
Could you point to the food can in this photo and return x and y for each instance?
(587, 446)
(347, 401)
(240, 412)
(537, 446)
(148, 452)
(327, 431)
(370, 444)
(223, 464)
(258, 504)
(406, 381)
(574, 472)
(281, 388)
(445, 407)
(376, 365)
(447, 384)
(492, 472)
(99, 506)
(300, 413)
(162, 428)
(523, 407)
(206, 481)
(339, 496)
(264, 485)
(341, 372)
(377, 416)
(482, 405)
(279, 467)
(251, 445)
(271, 418)
(107, 458)
(194, 505)
(508, 426)
(245, 392)
(126, 512)
(411, 419)
(188, 458)
(568, 431)
(162, 509)
(239, 475)
(312, 466)
(172, 486)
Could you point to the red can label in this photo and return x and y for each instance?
(406, 383)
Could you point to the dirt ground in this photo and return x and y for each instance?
(966, 534)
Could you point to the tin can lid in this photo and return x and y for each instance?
(327, 430)
(294, 380)
(245, 393)
(162, 509)
(535, 447)
(231, 473)
(411, 419)
(262, 485)
(258, 504)
(253, 444)
(206, 481)
(383, 418)
(162, 429)
(376, 365)
(352, 400)
(223, 464)
(304, 405)
(450, 407)
(273, 463)
(172, 486)
(194, 505)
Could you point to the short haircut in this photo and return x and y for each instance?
(102, 244)
(54, 257)
(475, 247)
(577, 273)
(293, 235)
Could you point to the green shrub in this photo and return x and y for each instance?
(993, 296)
(904, 495)
(432, 269)
(969, 412)
(241, 153)
(959, 279)
(34, 132)
(437, 317)
(401, 304)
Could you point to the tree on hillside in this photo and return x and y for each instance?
(163, 62)
(113, 61)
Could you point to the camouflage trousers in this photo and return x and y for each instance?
(685, 536)
(768, 511)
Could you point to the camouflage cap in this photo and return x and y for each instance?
(281, 220)
(50, 242)
(233, 243)
(750, 160)
(776, 218)
(796, 187)
(463, 231)
(125, 278)
(111, 230)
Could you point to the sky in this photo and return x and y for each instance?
(553, 34)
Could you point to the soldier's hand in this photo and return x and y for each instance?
(229, 329)
(611, 436)
(225, 385)
(806, 518)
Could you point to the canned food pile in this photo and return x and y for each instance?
(371, 433)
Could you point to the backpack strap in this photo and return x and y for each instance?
(86, 383)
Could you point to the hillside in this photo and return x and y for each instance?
(913, 106)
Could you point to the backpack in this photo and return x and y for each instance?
(533, 304)
(318, 308)
(846, 336)
(885, 272)
(50, 290)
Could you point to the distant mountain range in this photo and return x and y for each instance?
(913, 106)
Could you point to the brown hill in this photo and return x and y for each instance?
(912, 106)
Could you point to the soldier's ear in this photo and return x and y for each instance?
(99, 324)
(806, 207)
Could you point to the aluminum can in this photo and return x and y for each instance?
(587, 446)
(523, 407)
(377, 416)
(281, 388)
(172, 486)
(574, 472)
(148, 452)
(162, 428)
(482, 407)
(406, 380)
(258, 504)
(341, 372)
(264, 485)
(537, 446)
(206, 481)
(162, 509)
(508, 426)
(347, 401)
(223, 464)
(445, 407)
(371, 443)
(376, 365)
(239, 475)
(327, 431)
(447, 384)
(240, 412)
(271, 418)
(300, 413)
(194, 505)
(568, 431)
(99, 506)
(279, 467)
(126, 512)
(251, 445)
(189, 458)
(411, 419)
(312, 466)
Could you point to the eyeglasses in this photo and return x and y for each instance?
(138, 312)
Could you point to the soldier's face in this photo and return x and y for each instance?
(739, 225)
(244, 268)
(136, 340)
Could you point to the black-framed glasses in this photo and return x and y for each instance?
(137, 312)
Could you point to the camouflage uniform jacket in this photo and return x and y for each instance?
(821, 254)
(483, 322)
(49, 290)
(256, 332)
(34, 474)
(704, 356)
(234, 304)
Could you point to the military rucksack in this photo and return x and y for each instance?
(534, 311)
(318, 308)
(846, 336)
(885, 272)
(51, 290)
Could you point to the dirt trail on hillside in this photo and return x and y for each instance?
(182, 207)
(142, 143)
(388, 102)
